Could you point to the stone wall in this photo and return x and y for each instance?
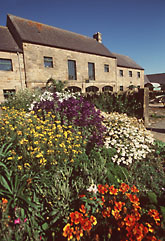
(126, 80)
(37, 74)
(15, 79)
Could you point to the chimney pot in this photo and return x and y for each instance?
(98, 37)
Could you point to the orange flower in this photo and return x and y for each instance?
(134, 189)
(68, 231)
(4, 201)
(154, 213)
(86, 224)
(124, 187)
(82, 209)
(93, 220)
(118, 206)
(152, 238)
(106, 212)
(130, 220)
(102, 189)
(113, 190)
(150, 229)
(116, 214)
(78, 233)
(76, 217)
(133, 198)
(139, 231)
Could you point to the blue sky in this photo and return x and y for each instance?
(135, 28)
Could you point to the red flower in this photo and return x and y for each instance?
(106, 212)
(93, 220)
(155, 215)
(124, 187)
(134, 189)
(68, 231)
(86, 224)
(118, 206)
(4, 201)
(78, 233)
(113, 190)
(102, 189)
(76, 217)
(82, 195)
(133, 198)
(82, 209)
(130, 220)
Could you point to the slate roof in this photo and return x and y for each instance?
(157, 78)
(125, 61)
(146, 80)
(37, 33)
(7, 43)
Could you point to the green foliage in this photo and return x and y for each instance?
(160, 149)
(129, 102)
(55, 85)
(148, 175)
(152, 198)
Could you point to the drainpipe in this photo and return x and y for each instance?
(19, 69)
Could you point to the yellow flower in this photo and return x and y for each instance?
(19, 167)
(27, 165)
(10, 158)
(19, 133)
(43, 161)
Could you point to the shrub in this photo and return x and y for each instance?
(129, 102)
(22, 99)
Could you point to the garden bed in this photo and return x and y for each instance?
(72, 172)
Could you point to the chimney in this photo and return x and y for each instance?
(98, 37)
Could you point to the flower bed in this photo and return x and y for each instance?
(50, 155)
(128, 136)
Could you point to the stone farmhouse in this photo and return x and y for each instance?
(31, 53)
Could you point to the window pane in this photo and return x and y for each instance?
(72, 70)
(121, 88)
(138, 74)
(106, 68)
(121, 72)
(8, 93)
(91, 71)
(48, 62)
(130, 73)
(6, 64)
